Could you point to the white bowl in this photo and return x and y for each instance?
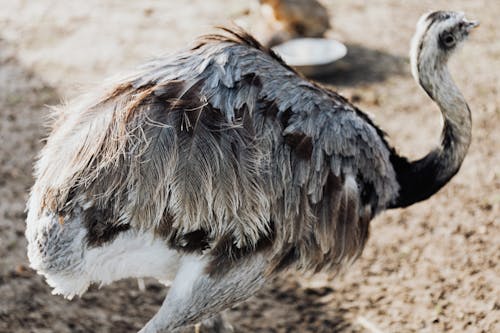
(307, 53)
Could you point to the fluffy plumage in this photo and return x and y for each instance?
(225, 143)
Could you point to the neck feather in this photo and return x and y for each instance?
(422, 178)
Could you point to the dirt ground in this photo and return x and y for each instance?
(432, 267)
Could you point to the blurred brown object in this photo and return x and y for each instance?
(22, 271)
(289, 19)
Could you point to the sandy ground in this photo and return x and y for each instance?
(430, 268)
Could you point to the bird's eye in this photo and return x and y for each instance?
(448, 40)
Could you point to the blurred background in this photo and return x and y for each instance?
(429, 268)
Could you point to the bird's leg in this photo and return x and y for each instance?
(195, 294)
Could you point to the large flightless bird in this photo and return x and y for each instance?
(219, 167)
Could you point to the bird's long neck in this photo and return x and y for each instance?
(422, 178)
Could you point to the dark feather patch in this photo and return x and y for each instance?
(300, 144)
(225, 254)
(100, 229)
(286, 259)
(194, 241)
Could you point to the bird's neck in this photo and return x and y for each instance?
(420, 179)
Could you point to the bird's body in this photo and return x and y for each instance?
(215, 169)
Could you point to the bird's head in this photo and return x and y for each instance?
(437, 35)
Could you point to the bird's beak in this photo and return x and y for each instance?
(469, 25)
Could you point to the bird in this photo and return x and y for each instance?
(288, 19)
(219, 167)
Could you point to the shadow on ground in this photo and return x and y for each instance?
(286, 306)
(362, 65)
